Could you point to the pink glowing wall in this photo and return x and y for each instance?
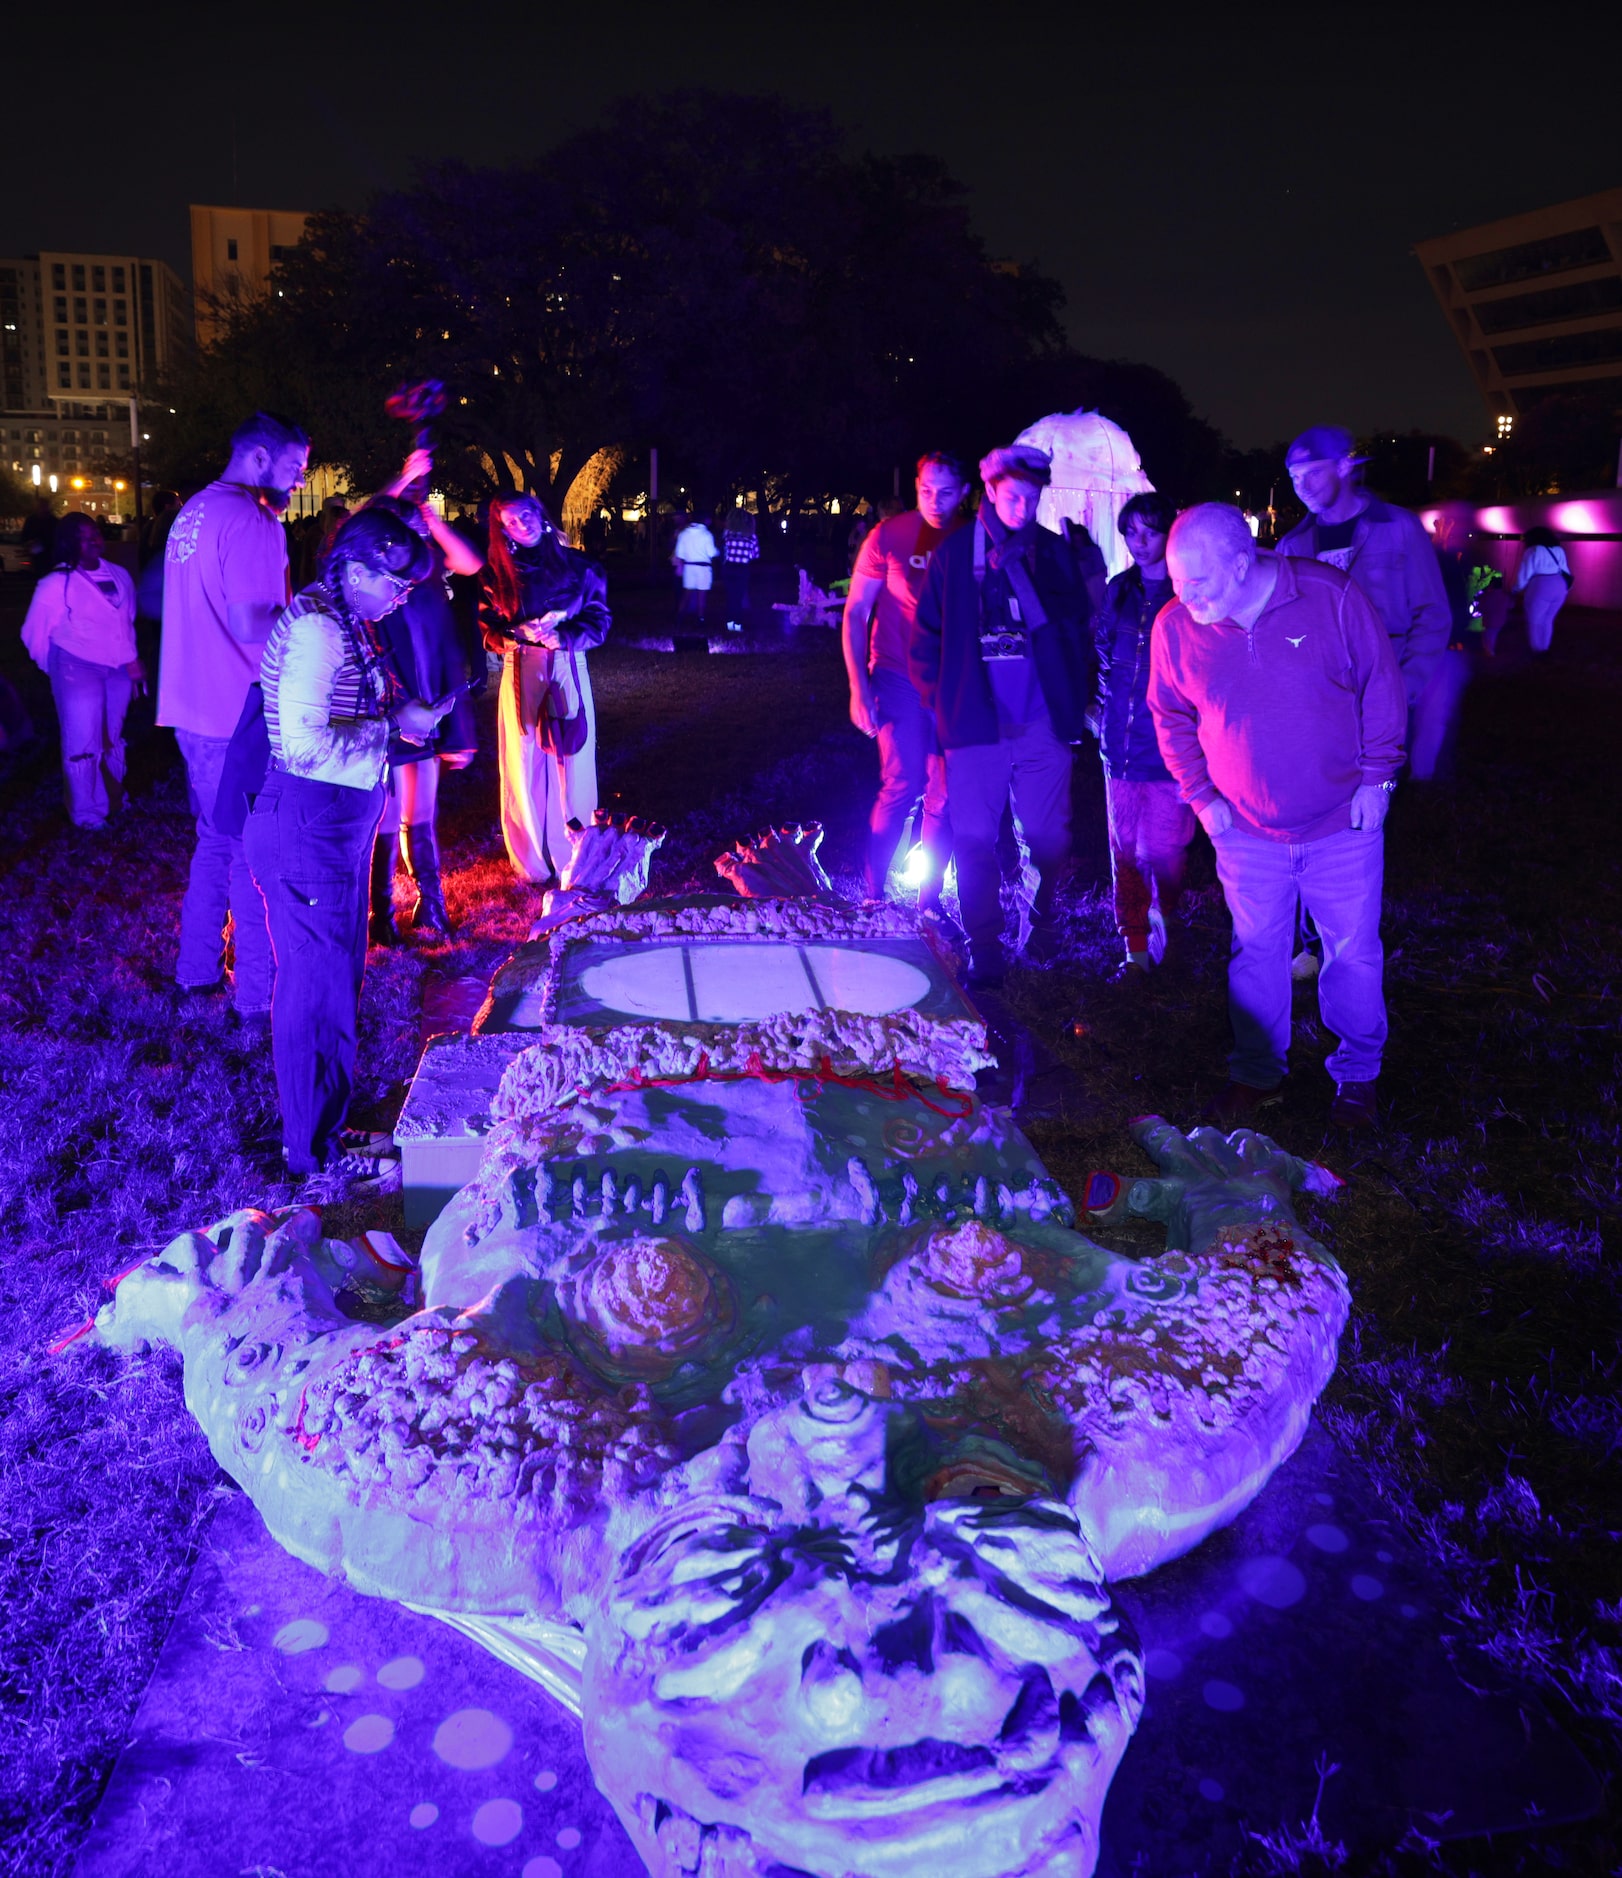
(1590, 526)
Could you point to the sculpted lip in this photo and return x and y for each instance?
(873, 1784)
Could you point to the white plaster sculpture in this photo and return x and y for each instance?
(1095, 471)
(763, 1403)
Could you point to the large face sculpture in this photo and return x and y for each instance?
(852, 1690)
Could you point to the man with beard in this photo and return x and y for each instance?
(224, 583)
(1003, 655)
(880, 619)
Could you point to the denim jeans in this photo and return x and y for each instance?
(310, 845)
(219, 882)
(910, 767)
(91, 701)
(1338, 881)
(1149, 833)
(1033, 768)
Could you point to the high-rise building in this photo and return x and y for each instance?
(232, 254)
(1535, 301)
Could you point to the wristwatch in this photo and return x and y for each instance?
(1389, 786)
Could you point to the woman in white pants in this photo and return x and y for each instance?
(80, 629)
(544, 607)
(1543, 580)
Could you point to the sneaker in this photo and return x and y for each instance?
(364, 1143)
(1356, 1105)
(350, 1177)
(1132, 974)
(1305, 966)
(1235, 1104)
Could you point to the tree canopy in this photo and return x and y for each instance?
(709, 275)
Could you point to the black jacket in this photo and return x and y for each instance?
(1126, 731)
(945, 660)
(551, 576)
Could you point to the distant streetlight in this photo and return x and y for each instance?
(36, 475)
(52, 480)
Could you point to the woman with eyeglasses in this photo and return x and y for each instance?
(545, 605)
(331, 707)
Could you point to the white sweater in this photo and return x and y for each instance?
(89, 612)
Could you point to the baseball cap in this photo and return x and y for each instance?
(1324, 443)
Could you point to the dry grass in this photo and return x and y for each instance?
(1479, 1378)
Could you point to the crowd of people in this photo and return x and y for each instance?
(1269, 697)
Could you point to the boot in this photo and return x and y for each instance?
(380, 927)
(422, 863)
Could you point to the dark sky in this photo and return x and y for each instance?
(1232, 202)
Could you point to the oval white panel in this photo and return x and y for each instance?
(869, 983)
(651, 983)
(737, 984)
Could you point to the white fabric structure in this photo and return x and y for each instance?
(1095, 471)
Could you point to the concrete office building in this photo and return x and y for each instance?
(1535, 301)
(232, 253)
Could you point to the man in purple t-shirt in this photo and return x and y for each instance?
(1280, 710)
(880, 616)
(224, 582)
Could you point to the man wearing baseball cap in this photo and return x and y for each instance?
(1003, 656)
(1384, 550)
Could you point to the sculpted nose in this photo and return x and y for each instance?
(831, 1689)
(909, 1642)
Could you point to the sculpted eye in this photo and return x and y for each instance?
(250, 1359)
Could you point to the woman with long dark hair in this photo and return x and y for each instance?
(80, 630)
(545, 605)
(331, 706)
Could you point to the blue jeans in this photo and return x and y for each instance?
(91, 701)
(310, 846)
(1031, 769)
(910, 766)
(220, 881)
(1338, 881)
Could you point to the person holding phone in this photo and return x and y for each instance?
(544, 606)
(330, 708)
(429, 657)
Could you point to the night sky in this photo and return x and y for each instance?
(1233, 203)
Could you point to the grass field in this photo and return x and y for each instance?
(1481, 1378)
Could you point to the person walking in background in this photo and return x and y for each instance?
(544, 607)
(1543, 580)
(224, 583)
(1150, 827)
(1003, 655)
(426, 651)
(693, 558)
(80, 630)
(881, 616)
(330, 709)
(1280, 711)
(1433, 723)
(740, 548)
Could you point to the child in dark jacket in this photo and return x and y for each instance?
(1149, 828)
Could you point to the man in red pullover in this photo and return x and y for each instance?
(1280, 712)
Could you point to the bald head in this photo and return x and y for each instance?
(1215, 567)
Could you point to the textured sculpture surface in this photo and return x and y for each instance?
(762, 1399)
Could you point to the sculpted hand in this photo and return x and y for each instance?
(1208, 1184)
(1216, 816)
(1369, 806)
(864, 711)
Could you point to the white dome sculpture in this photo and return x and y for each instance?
(1095, 471)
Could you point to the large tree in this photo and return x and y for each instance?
(709, 275)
